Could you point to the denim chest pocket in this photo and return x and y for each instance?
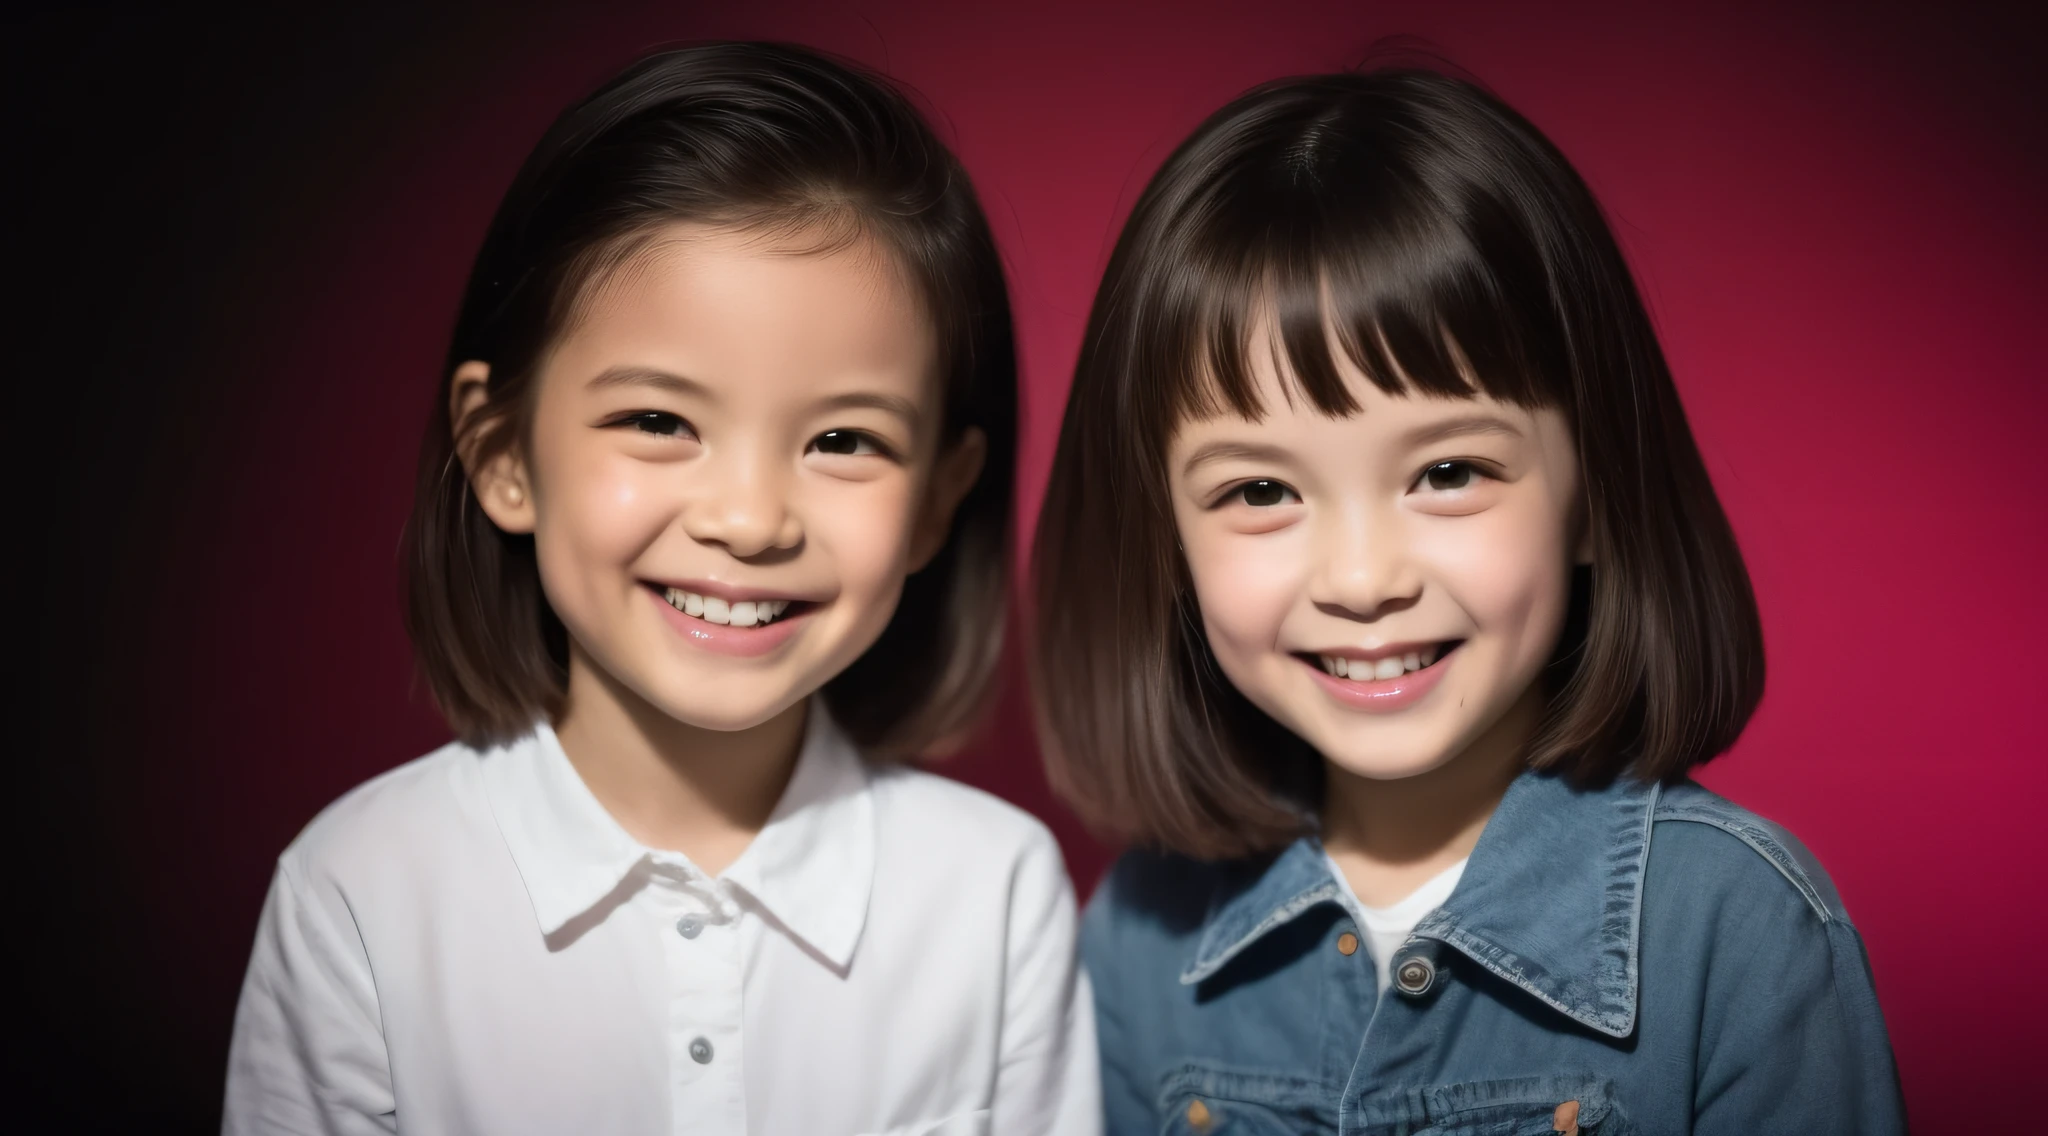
(1519, 1106)
(1211, 1100)
(1206, 1100)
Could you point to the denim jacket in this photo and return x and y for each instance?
(1660, 957)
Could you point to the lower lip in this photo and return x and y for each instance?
(725, 639)
(1384, 696)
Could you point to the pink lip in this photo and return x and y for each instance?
(725, 639)
(1383, 696)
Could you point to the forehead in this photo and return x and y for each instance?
(753, 301)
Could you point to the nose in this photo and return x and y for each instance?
(1364, 569)
(741, 502)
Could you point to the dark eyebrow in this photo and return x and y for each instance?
(647, 377)
(1226, 451)
(1460, 427)
(676, 384)
(886, 403)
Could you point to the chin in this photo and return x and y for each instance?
(724, 717)
(720, 706)
(1382, 753)
(1381, 767)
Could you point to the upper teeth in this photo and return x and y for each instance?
(712, 609)
(1393, 666)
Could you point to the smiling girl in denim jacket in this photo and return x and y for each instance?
(1385, 601)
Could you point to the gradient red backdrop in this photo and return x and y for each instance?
(1833, 214)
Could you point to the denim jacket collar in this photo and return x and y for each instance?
(1550, 901)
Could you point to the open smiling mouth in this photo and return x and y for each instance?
(1385, 667)
(732, 613)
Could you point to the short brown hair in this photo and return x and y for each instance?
(1449, 249)
(743, 134)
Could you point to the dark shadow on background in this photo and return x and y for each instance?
(169, 161)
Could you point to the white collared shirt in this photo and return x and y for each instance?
(471, 943)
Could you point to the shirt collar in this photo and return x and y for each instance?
(1550, 901)
(811, 866)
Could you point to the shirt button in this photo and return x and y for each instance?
(1347, 944)
(689, 925)
(700, 1051)
(1415, 975)
(1199, 1116)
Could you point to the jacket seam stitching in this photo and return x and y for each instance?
(1772, 852)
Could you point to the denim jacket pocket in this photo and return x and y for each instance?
(1518, 1106)
(1200, 1099)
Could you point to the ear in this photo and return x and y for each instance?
(498, 480)
(953, 475)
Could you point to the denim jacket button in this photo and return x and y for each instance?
(1414, 975)
(1347, 944)
(1198, 1116)
(1566, 1118)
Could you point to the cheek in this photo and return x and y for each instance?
(595, 507)
(865, 528)
(1246, 585)
(1510, 574)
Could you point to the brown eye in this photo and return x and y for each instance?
(1448, 476)
(850, 443)
(658, 422)
(1263, 494)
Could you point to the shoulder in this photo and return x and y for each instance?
(1746, 940)
(1702, 837)
(958, 828)
(1168, 892)
(1157, 904)
(391, 822)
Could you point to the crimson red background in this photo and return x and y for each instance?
(251, 235)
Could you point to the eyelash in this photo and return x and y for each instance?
(1472, 467)
(676, 426)
(881, 448)
(642, 419)
(1237, 491)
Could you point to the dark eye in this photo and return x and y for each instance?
(847, 442)
(1447, 476)
(1263, 494)
(658, 422)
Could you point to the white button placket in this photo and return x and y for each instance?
(701, 953)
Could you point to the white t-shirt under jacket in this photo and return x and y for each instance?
(471, 944)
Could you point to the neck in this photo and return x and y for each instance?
(1391, 837)
(671, 785)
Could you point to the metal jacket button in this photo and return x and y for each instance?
(1566, 1118)
(1414, 975)
(1347, 944)
(1199, 1116)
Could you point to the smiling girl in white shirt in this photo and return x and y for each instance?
(711, 530)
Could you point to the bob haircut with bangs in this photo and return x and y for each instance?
(1446, 248)
(751, 136)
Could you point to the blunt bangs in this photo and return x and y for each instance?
(1324, 225)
